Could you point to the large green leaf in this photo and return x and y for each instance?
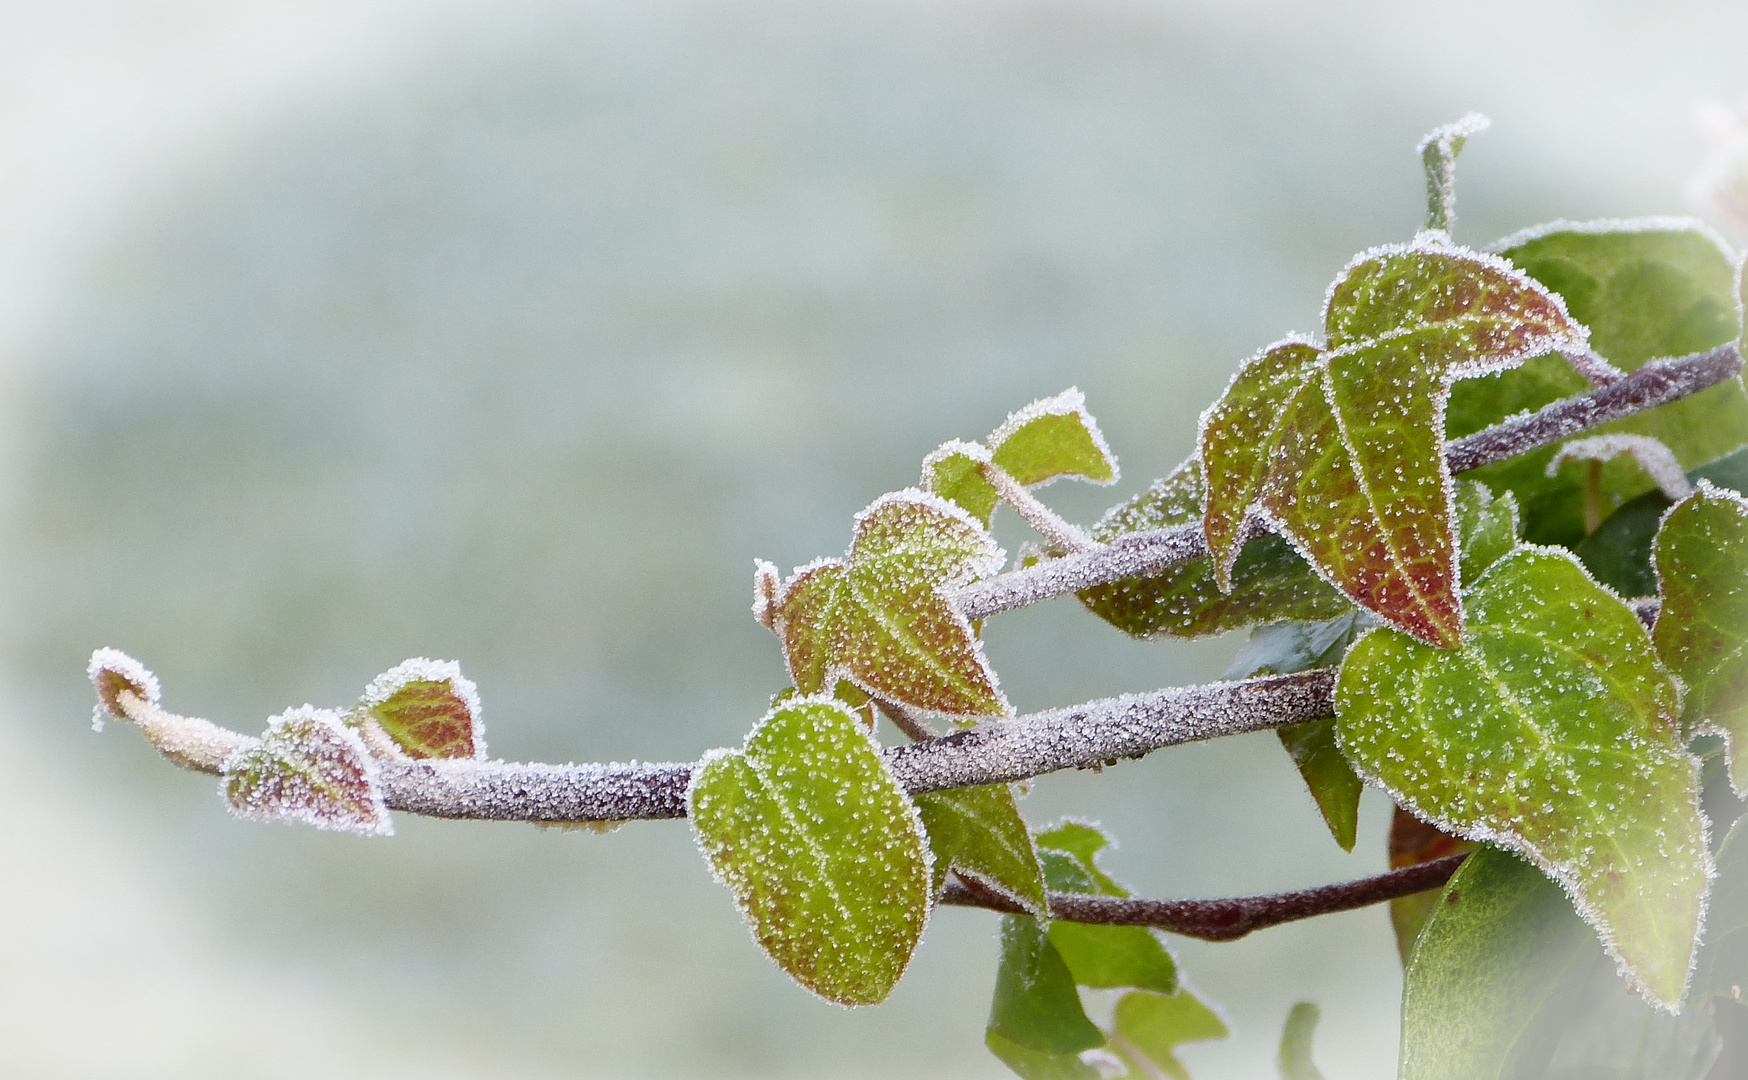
(428, 708)
(1509, 984)
(879, 617)
(1411, 843)
(979, 832)
(1147, 1029)
(1048, 439)
(1702, 624)
(1341, 449)
(822, 849)
(1099, 956)
(1036, 1005)
(1269, 580)
(1646, 289)
(310, 768)
(1550, 731)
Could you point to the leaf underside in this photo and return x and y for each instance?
(1342, 448)
(1551, 731)
(820, 846)
(978, 831)
(1645, 290)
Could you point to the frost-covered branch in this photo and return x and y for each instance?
(1220, 920)
(1140, 554)
(1093, 734)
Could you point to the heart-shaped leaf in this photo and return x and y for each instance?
(427, 708)
(978, 831)
(823, 851)
(1341, 448)
(1048, 439)
(311, 768)
(880, 618)
(1701, 555)
(1650, 288)
(1551, 731)
(1269, 581)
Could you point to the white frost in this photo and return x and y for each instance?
(1656, 459)
(1071, 402)
(423, 669)
(135, 674)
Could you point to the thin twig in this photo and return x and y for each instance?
(905, 721)
(1142, 554)
(1048, 523)
(1220, 920)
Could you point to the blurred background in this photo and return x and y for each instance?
(337, 333)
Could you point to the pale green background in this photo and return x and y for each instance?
(337, 333)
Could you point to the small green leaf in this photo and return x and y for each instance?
(1269, 581)
(1036, 1005)
(1438, 153)
(1501, 943)
(1051, 438)
(1048, 439)
(822, 849)
(1702, 625)
(1552, 731)
(979, 832)
(1294, 1059)
(1147, 1029)
(1036, 1065)
(879, 617)
(1486, 527)
(1070, 851)
(1646, 289)
(312, 769)
(1331, 779)
(428, 708)
(1109, 957)
(1342, 449)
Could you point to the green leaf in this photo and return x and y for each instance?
(1331, 779)
(1269, 580)
(1551, 731)
(1036, 1065)
(823, 851)
(1501, 943)
(312, 769)
(1702, 625)
(1147, 1029)
(1619, 553)
(1099, 956)
(979, 832)
(1048, 439)
(1509, 983)
(1646, 289)
(1036, 1005)
(1070, 852)
(1295, 1056)
(1413, 842)
(1438, 153)
(1342, 449)
(428, 708)
(1486, 527)
(879, 617)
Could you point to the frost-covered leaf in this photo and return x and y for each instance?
(1412, 842)
(880, 618)
(1147, 1029)
(1650, 288)
(822, 849)
(1702, 626)
(1341, 449)
(1099, 956)
(979, 832)
(428, 708)
(1501, 942)
(1269, 581)
(111, 672)
(1550, 731)
(1619, 553)
(310, 768)
(1048, 439)
(1509, 983)
(1036, 1065)
(1331, 779)
(1036, 1005)
(1438, 153)
(1294, 1059)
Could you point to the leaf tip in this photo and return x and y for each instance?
(112, 673)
